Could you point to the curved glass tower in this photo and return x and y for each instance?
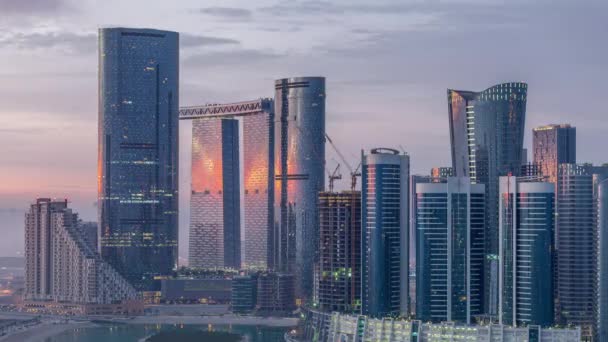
(138, 152)
(487, 136)
(299, 164)
(385, 234)
(526, 252)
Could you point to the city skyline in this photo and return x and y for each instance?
(67, 31)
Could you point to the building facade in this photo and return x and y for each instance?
(576, 247)
(232, 175)
(244, 293)
(601, 198)
(275, 293)
(450, 250)
(486, 134)
(300, 160)
(385, 232)
(339, 266)
(138, 152)
(346, 328)
(61, 267)
(526, 252)
(553, 145)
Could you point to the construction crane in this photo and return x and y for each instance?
(353, 173)
(333, 176)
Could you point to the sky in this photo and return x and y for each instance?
(388, 64)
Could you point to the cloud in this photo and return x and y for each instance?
(67, 41)
(29, 7)
(231, 13)
(188, 40)
(243, 56)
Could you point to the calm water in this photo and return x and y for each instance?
(128, 333)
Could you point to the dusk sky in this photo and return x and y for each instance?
(388, 64)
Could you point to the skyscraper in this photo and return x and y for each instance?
(601, 198)
(553, 145)
(384, 239)
(215, 211)
(300, 159)
(526, 252)
(486, 133)
(576, 248)
(450, 250)
(223, 137)
(339, 285)
(138, 152)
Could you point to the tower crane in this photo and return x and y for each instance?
(353, 173)
(333, 176)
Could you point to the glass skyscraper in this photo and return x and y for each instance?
(601, 197)
(486, 133)
(526, 252)
(299, 176)
(384, 239)
(450, 250)
(138, 152)
(553, 145)
(231, 201)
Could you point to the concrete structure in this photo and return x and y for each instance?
(526, 252)
(486, 134)
(61, 267)
(345, 328)
(300, 159)
(384, 239)
(228, 139)
(339, 267)
(138, 152)
(553, 145)
(450, 255)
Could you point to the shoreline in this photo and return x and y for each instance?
(43, 331)
(50, 328)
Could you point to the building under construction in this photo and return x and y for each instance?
(339, 267)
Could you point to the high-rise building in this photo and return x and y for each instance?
(385, 231)
(339, 272)
(300, 159)
(138, 152)
(576, 247)
(553, 145)
(439, 173)
(487, 133)
(450, 250)
(223, 137)
(526, 252)
(601, 198)
(61, 266)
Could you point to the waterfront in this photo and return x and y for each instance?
(137, 332)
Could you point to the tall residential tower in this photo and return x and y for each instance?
(526, 252)
(450, 250)
(299, 166)
(487, 133)
(384, 239)
(138, 152)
